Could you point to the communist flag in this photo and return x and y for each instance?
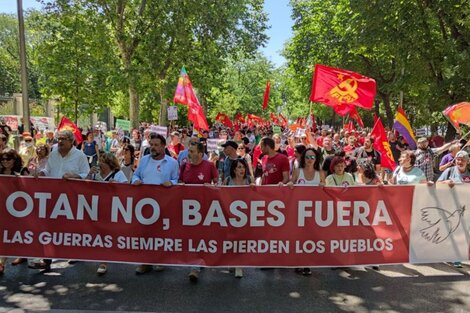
(355, 116)
(66, 124)
(342, 89)
(266, 95)
(224, 119)
(458, 114)
(382, 145)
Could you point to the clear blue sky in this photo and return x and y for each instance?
(279, 13)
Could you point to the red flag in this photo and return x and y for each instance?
(224, 119)
(184, 94)
(342, 89)
(266, 95)
(66, 124)
(274, 118)
(253, 117)
(197, 116)
(239, 118)
(355, 116)
(458, 114)
(382, 145)
(284, 122)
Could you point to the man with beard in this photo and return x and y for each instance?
(65, 162)
(155, 168)
(459, 173)
(197, 171)
(367, 152)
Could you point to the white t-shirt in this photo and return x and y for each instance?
(303, 181)
(413, 177)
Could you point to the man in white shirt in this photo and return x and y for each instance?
(64, 162)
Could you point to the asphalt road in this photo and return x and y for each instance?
(395, 288)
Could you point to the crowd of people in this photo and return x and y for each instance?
(244, 156)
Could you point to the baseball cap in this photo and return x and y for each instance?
(422, 139)
(462, 154)
(230, 143)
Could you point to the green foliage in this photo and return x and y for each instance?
(73, 56)
(241, 87)
(418, 47)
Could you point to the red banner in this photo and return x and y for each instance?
(204, 225)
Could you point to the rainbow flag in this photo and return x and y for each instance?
(402, 125)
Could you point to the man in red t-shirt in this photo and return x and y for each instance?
(197, 171)
(275, 165)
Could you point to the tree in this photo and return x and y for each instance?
(73, 55)
(416, 47)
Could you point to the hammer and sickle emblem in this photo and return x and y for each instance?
(345, 91)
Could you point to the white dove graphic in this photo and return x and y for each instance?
(441, 223)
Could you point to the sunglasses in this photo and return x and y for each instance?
(310, 157)
(7, 159)
(28, 140)
(241, 148)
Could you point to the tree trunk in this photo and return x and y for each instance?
(388, 109)
(133, 104)
(163, 110)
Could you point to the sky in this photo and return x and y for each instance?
(279, 14)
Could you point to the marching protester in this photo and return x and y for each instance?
(39, 162)
(242, 153)
(275, 165)
(367, 152)
(27, 149)
(230, 152)
(448, 160)
(366, 173)
(11, 164)
(458, 173)
(425, 155)
(108, 170)
(156, 168)
(91, 149)
(308, 173)
(239, 176)
(65, 162)
(197, 171)
(407, 173)
(128, 161)
(339, 176)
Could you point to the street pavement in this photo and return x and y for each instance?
(394, 288)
